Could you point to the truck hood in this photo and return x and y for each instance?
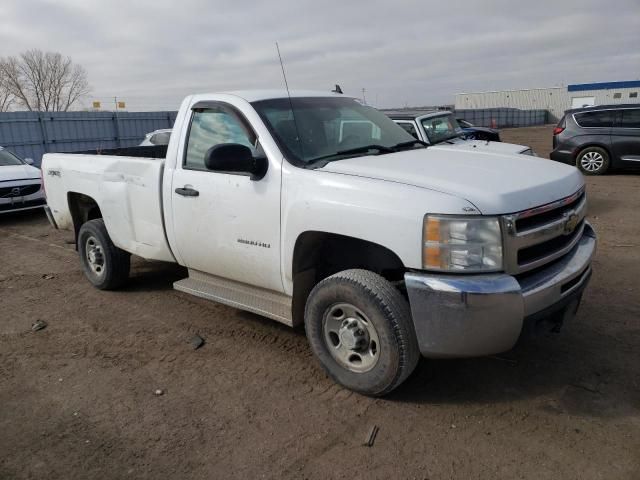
(482, 146)
(494, 183)
(18, 172)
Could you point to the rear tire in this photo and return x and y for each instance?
(593, 161)
(105, 265)
(360, 329)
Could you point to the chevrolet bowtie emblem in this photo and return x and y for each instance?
(570, 224)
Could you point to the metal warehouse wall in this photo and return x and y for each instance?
(605, 97)
(32, 134)
(556, 99)
(503, 117)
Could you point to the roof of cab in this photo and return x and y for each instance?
(257, 95)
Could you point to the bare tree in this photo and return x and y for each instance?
(6, 97)
(44, 81)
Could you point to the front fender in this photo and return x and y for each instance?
(386, 213)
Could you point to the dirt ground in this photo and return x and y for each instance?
(77, 398)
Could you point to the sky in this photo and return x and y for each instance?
(151, 54)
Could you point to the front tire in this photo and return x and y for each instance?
(105, 265)
(593, 161)
(360, 329)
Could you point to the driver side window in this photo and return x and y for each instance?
(213, 126)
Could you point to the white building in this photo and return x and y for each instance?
(554, 99)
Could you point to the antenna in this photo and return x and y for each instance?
(293, 113)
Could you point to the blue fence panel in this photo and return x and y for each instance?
(32, 134)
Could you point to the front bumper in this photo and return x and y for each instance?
(475, 315)
(563, 155)
(28, 202)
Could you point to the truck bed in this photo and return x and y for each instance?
(151, 151)
(126, 189)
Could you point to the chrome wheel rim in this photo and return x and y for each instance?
(350, 337)
(592, 161)
(95, 256)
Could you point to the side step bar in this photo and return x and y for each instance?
(274, 305)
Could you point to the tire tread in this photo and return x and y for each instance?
(120, 261)
(395, 309)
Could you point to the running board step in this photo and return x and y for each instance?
(274, 305)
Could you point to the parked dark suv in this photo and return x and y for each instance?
(597, 138)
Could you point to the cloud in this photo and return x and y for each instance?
(152, 53)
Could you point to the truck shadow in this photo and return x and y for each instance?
(562, 375)
(21, 218)
(148, 276)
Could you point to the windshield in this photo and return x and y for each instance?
(441, 128)
(7, 159)
(330, 128)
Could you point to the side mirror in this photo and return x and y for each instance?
(28, 161)
(235, 158)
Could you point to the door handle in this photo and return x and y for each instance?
(187, 192)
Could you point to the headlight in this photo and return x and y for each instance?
(461, 244)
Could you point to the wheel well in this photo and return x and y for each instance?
(318, 255)
(82, 208)
(583, 147)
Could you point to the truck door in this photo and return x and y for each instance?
(225, 224)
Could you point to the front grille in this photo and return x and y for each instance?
(538, 236)
(536, 252)
(535, 220)
(17, 205)
(19, 190)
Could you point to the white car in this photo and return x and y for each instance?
(20, 184)
(315, 209)
(157, 137)
(441, 128)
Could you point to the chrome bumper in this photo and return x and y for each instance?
(475, 315)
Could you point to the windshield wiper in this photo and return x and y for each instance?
(350, 151)
(410, 143)
(366, 148)
(449, 140)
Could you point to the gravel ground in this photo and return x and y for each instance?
(77, 399)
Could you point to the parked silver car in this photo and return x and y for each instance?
(20, 183)
(157, 137)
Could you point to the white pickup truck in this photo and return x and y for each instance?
(314, 209)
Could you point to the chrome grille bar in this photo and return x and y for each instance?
(569, 222)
